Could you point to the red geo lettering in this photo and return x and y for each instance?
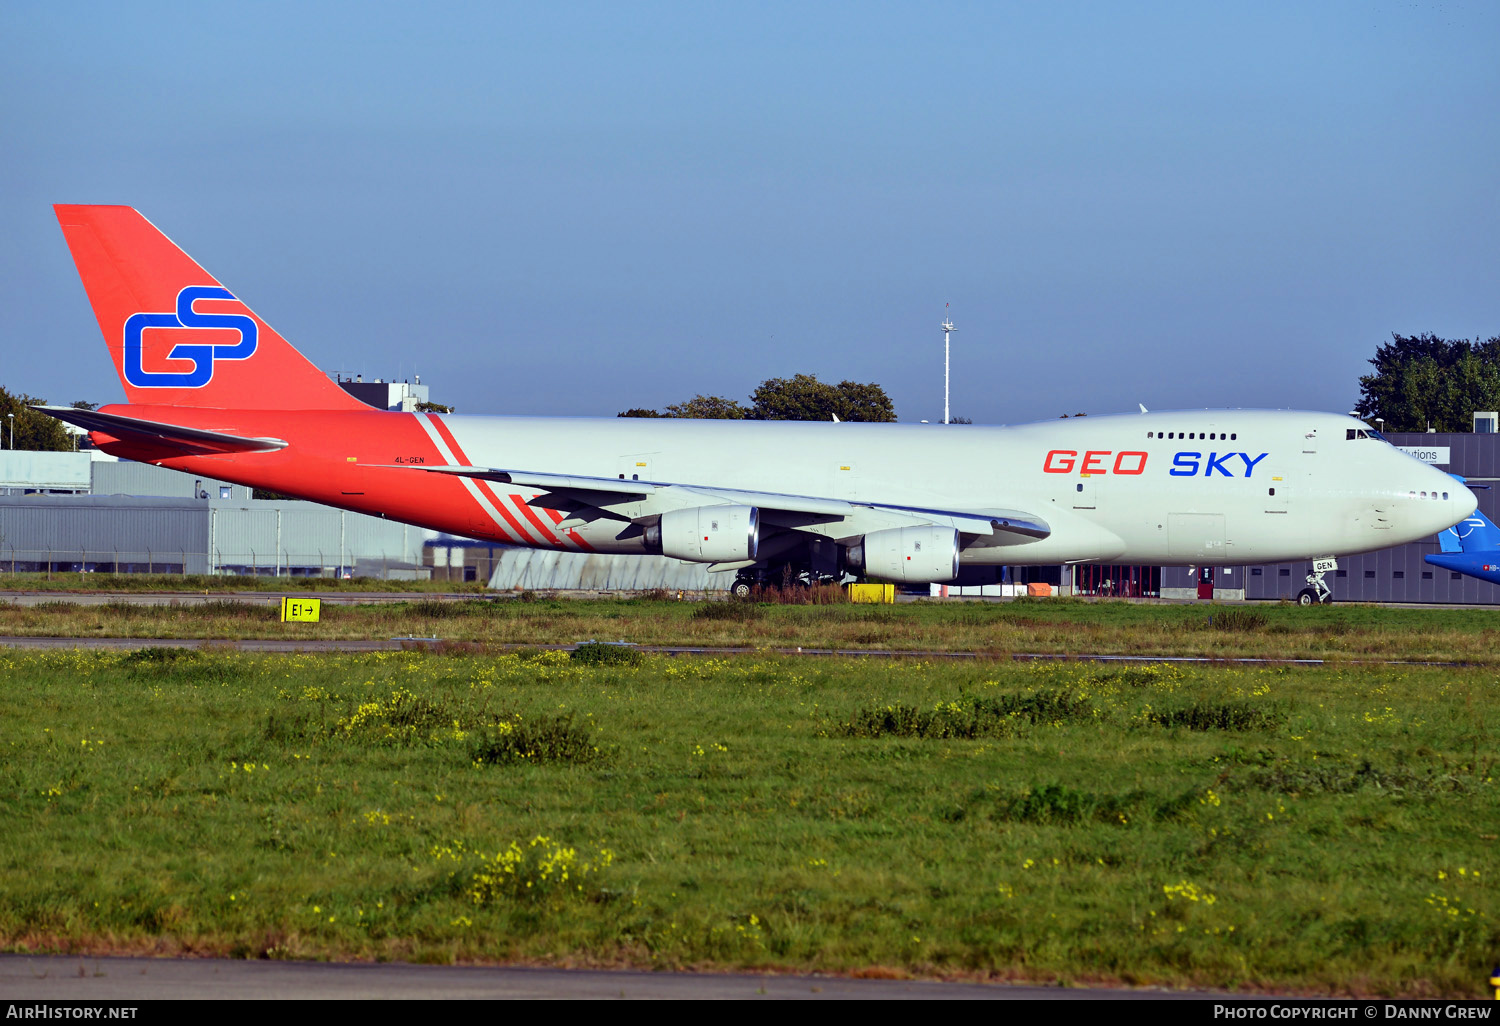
(1093, 462)
(1059, 461)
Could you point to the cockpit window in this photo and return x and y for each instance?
(1352, 433)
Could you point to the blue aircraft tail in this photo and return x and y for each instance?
(1475, 533)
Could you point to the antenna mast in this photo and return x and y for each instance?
(948, 329)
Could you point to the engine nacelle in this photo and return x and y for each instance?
(911, 555)
(707, 534)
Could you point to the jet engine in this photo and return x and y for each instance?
(911, 555)
(706, 534)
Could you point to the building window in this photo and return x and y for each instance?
(1285, 572)
(226, 491)
(1255, 571)
(1341, 573)
(1454, 575)
(1399, 575)
(1369, 575)
(1426, 575)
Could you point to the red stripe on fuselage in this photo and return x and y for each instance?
(487, 488)
(557, 518)
(525, 507)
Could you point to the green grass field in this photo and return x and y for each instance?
(1348, 632)
(1317, 830)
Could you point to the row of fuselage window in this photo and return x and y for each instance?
(1212, 436)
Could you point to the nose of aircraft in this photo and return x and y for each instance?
(1457, 502)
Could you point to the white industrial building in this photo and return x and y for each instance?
(65, 511)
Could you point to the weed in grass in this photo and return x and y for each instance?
(1243, 620)
(967, 716)
(436, 609)
(1217, 716)
(539, 870)
(738, 611)
(1292, 778)
(157, 655)
(549, 739)
(401, 718)
(795, 595)
(601, 653)
(1058, 803)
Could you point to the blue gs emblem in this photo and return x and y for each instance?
(203, 356)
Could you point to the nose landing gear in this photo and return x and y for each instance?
(1317, 592)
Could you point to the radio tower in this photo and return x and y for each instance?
(948, 329)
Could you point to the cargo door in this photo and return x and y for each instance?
(1085, 491)
(1279, 491)
(1196, 536)
(843, 480)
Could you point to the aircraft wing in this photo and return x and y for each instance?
(586, 499)
(174, 439)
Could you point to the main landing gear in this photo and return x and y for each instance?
(1317, 592)
(780, 575)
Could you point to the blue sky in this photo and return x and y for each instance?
(571, 209)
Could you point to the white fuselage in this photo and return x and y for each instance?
(1210, 486)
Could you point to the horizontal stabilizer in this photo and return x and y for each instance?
(545, 482)
(183, 440)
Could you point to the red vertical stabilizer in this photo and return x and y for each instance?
(178, 337)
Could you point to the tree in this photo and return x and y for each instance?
(425, 407)
(708, 407)
(35, 431)
(83, 404)
(1423, 380)
(804, 397)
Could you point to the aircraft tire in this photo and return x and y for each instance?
(742, 588)
(1307, 597)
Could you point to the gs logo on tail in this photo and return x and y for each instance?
(202, 355)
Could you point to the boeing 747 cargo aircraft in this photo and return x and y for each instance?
(213, 390)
